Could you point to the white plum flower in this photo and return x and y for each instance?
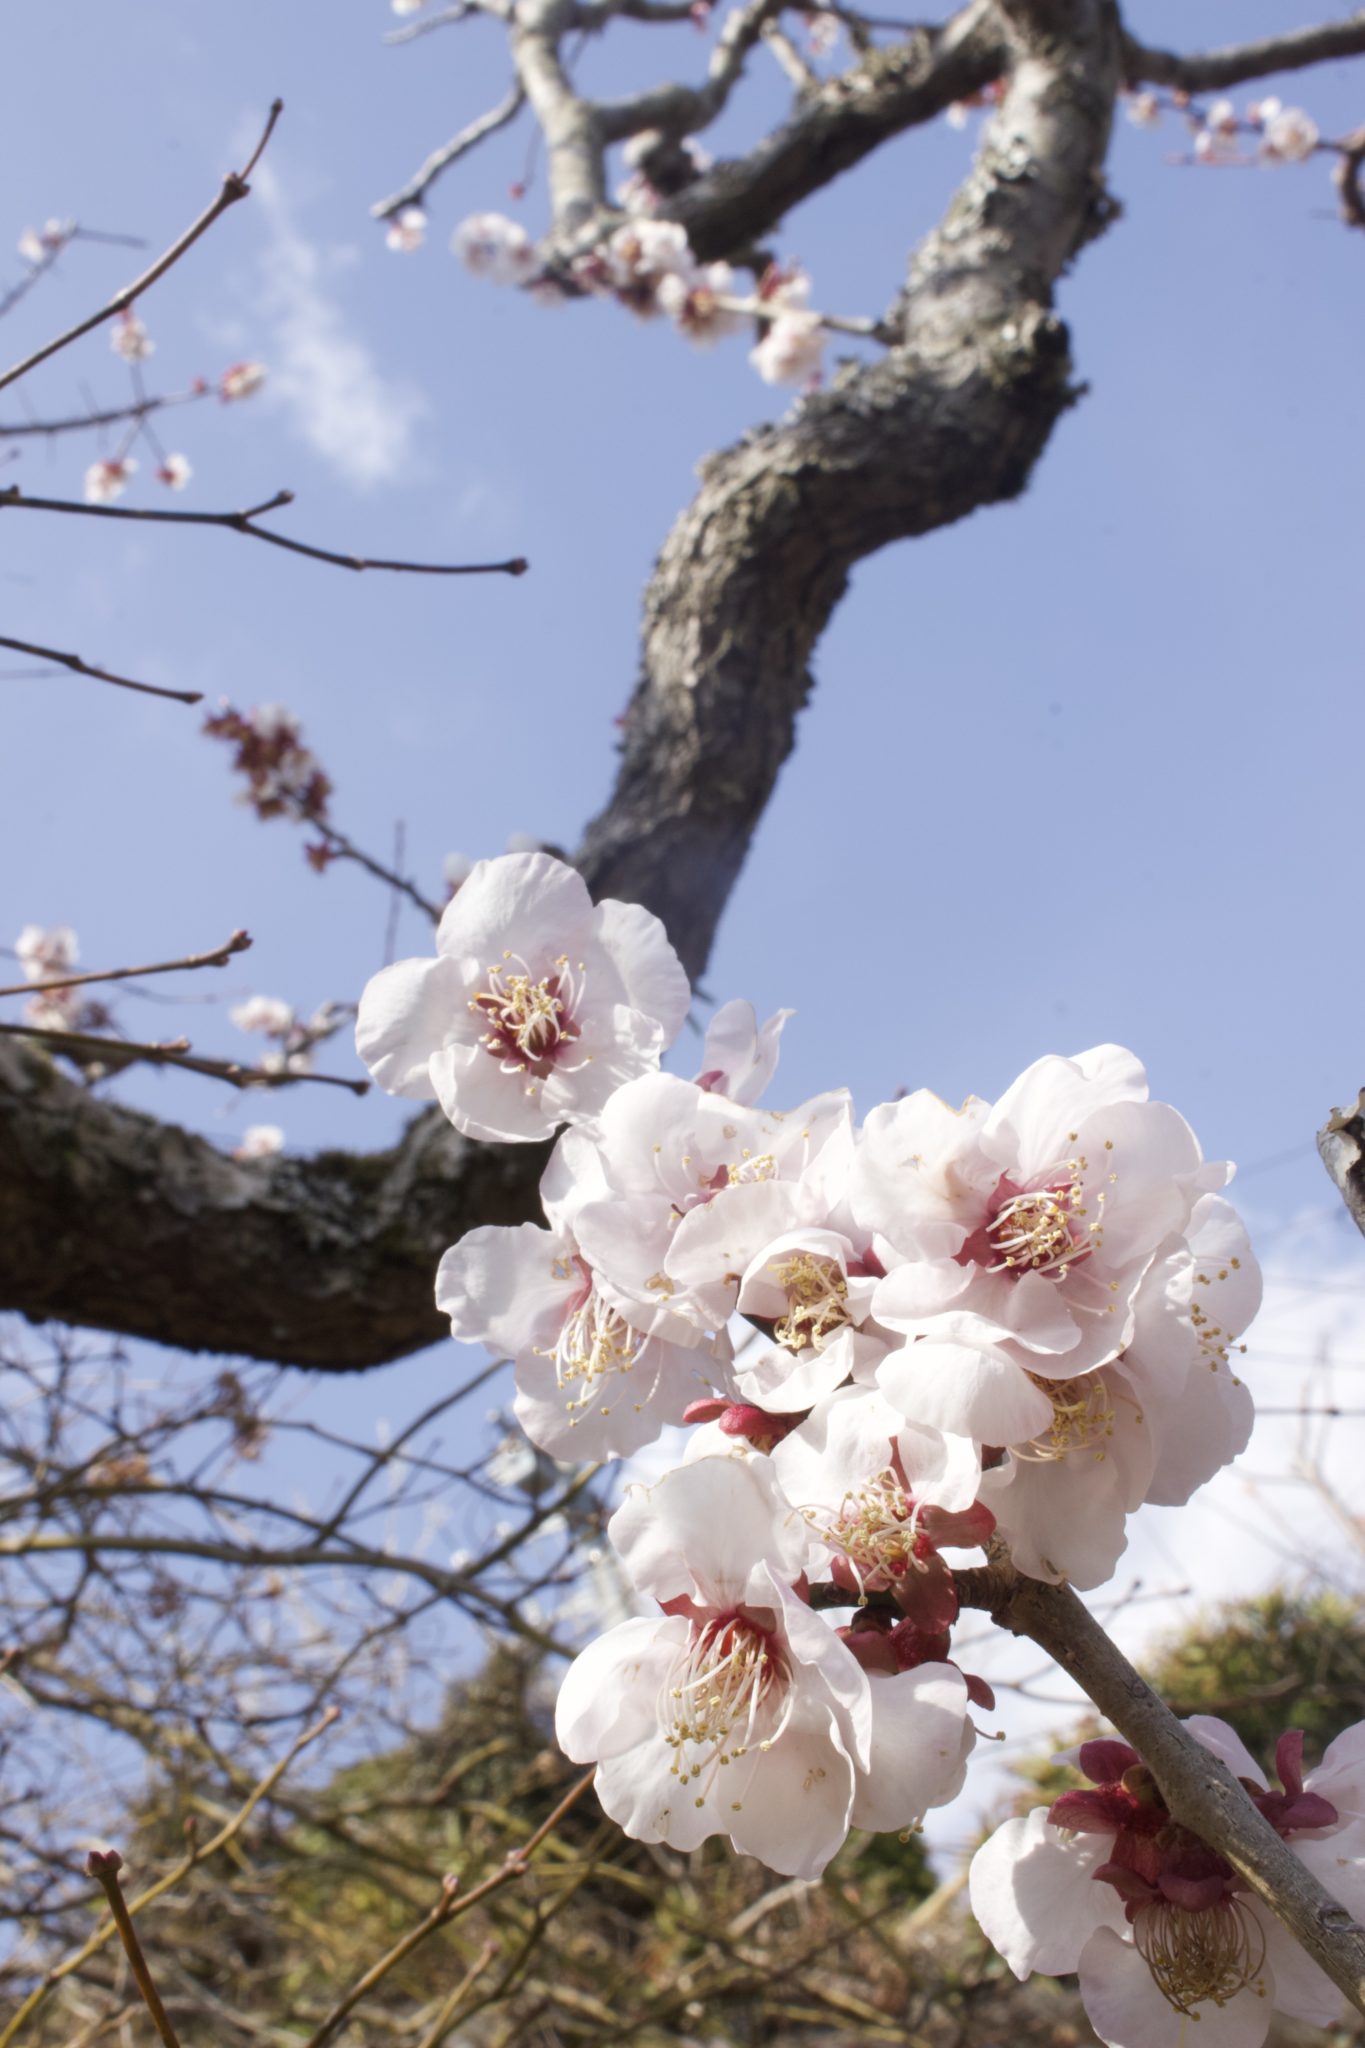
(739, 1057)
(44, 951)
(1032, 1223)
(738, 1711)
(1222, 118)
(37, 244)
(792, 350)
(108, 479)
(1154, 1922)
(495, 248)
(1288, 135)
(130, 338)
(588, 1384)
(538, 1006)
(175, 472)
(241, 380)
(694, 304)
(456, 869)
(669, 1155)
(957, 113)
(1153, 1425)
(1143, 109)
(259, 1141)
(269, 1015)
(406, 231)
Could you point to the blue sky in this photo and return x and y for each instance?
(1079, 768)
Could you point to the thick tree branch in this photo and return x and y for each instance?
(1215, 70)
(415, 191)
(1341, 1142)
(107, 1218)
(1199, 1790)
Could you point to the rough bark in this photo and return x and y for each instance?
(110, 1219)
(1341, 1146)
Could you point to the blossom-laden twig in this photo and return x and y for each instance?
(40, 248)
(196, 1854)
(81, 667)
(245, 522)
(235, 186)
(239, 942)
(89, 1048)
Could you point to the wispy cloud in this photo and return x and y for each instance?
(336, 397)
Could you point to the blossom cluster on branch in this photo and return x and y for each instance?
(1007, 1323)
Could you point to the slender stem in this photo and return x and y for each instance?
(234, 187)
(102, 675)
(346, 849)
(244, 522)
(230, 1828)
(219, 957)
(174, 1052)
(16, 430)
(105, 1865)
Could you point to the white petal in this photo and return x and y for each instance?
(608, 1697)
(483, 1101)
(1033, 1126)
(1127, 2010)
(793, 1814)
(651, 972)
(964, 1391)
(1227, 1745)
(404, 1017)
(921, 1739)
(1033, 1890)
(523, 903)
(706, 1530)
(508, 1286)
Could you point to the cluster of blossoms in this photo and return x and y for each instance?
(294, 1037)
(1156, 1924)
(1282, 135)
(648, 266)
(1014, 1321)
(107, 478)
(284, 778)
(46, 953)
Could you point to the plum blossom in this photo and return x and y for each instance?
(259, 1141)
(589, 1385)
(1154, 1921)
(1288, 134)
(175, 472)
(130, 338)
(456, 869)
(538, 1004)
(269, 1015)
(284, 777)
(695, 305)
(37, 244)
(1143, 109)
(823, 31)
(241, 380)
(792, 350)
(494, 247)
(740, 1712)
(108, 479)
(1026, 1231)
(406, 231)
(44, 952)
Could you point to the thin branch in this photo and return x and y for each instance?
(459, 145)
(1238, 62)
(105, 1865)
(102, 675)
(1198, 1788)
(243, 522)
(346, 849)
(450, 1906)
(89, 1046)
(231, 1828)
(219, 957)
(802, 75)
(234, 187)
(1341, 1144)
(114, 415)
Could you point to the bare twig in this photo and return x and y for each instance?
(233, 188)
(219, 957)
(244, 522)
(346, 849)
(459, 145)
(175, 1052)
(104, 1865)
(110, 416)
(1216, 69)
(173, 1877)
(1199, 1790)
(450, 1906)
(102, 675)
